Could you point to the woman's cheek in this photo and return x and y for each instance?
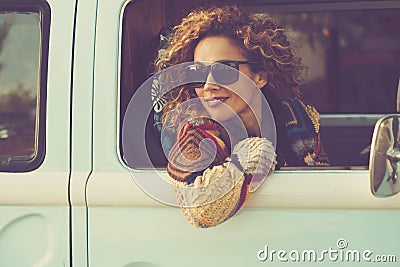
(198, 92)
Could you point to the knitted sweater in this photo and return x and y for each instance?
(211, 183)
(298, 133)
(201, 156)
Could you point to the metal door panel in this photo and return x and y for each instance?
(34, 206)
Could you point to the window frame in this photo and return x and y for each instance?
(273, 6)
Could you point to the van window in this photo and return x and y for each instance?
(351, 51)
(353, 59)
(23, 59)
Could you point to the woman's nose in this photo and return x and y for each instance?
(210, 83)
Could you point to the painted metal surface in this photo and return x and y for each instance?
(293, 209)
(34, 207)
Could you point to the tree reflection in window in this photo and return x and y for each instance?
(19, 82)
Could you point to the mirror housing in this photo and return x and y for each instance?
(384, 163)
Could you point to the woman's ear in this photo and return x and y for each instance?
(261, 79)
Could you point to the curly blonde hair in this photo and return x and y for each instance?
(259, 36)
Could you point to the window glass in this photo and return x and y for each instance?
(352, 58)
(22, 92)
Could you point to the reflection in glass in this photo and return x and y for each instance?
(19, 80)
(352, 58)
(385, 158)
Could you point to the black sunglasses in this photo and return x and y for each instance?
(224, 72)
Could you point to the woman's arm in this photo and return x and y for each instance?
(212, 184)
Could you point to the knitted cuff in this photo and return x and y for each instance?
(255, 155)
(197, 148)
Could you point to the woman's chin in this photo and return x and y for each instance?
(221, 115)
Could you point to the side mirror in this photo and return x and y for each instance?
(384, 164)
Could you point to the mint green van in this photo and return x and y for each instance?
(67, 197)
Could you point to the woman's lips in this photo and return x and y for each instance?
(214, 101)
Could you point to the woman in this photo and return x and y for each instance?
(210, 46)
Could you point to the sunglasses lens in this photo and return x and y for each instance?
(225, 74)
(196, 75)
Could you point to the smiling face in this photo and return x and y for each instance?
(220, 102)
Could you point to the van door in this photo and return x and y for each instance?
(298, 215)
(35, 82)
